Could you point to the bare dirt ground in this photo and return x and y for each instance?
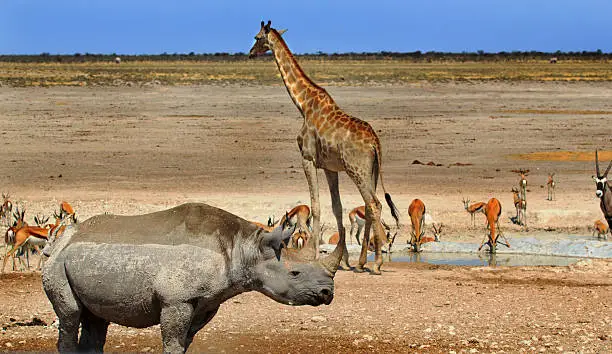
(130, 150)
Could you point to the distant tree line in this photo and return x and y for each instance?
(417, 56)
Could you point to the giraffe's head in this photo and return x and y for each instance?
(262, 43)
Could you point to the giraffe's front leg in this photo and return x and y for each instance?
(332, 181)
(310, 171)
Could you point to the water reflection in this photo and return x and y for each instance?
(478, 259)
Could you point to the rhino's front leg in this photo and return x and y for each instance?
(198, 322)
(175, 321)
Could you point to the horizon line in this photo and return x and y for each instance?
(381, 52)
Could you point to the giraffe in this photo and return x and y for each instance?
(334, 141)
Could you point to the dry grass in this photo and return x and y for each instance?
(264, 71)
(555, 111)
(563, 156)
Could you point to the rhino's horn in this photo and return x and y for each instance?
(332, 262)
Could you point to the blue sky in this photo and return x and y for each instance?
(153, 27)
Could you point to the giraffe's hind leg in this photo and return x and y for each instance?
(373, 211)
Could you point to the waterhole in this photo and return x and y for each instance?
(478, 259)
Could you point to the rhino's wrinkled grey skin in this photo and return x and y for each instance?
(173, 267)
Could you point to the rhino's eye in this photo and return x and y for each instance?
(294, 273)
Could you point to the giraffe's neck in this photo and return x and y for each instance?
(306, 95)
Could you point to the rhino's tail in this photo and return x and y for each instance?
(58, 241)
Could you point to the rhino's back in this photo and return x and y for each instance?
(193, 223)
(126, 284)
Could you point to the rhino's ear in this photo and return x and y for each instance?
(278, 238)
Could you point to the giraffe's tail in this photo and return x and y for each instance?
(377, 172)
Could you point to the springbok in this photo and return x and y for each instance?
(271, 224)
(358, 219)
(523, 195)
(472, 209)
(437, 231)
(27, 248)
(26, 236)
(520, 205)
(66, 209)
(523, 180)
(493, 210)
(299, 239)
(603, 191)
(299, 217)
(334, 239)
(550, 186)
(6, 209)
(17, 222)
(41, 221)
(33, 236)
(416, 211)
(601, 229)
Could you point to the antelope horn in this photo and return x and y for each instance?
(607, 170)
(332, 262)
(597, 164)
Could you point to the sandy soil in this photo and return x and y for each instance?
(420, 308)
(136, 150)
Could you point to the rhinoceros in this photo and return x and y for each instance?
(174, 268)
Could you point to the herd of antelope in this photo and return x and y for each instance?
(21, 239)
(300, 217)
(492, 209)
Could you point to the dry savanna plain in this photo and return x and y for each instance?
(144, 136)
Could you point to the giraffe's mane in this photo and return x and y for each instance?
(291, 58)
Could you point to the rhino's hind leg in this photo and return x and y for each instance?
(199, 321)
(175, 322)
(66, 306)
(93, 332)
